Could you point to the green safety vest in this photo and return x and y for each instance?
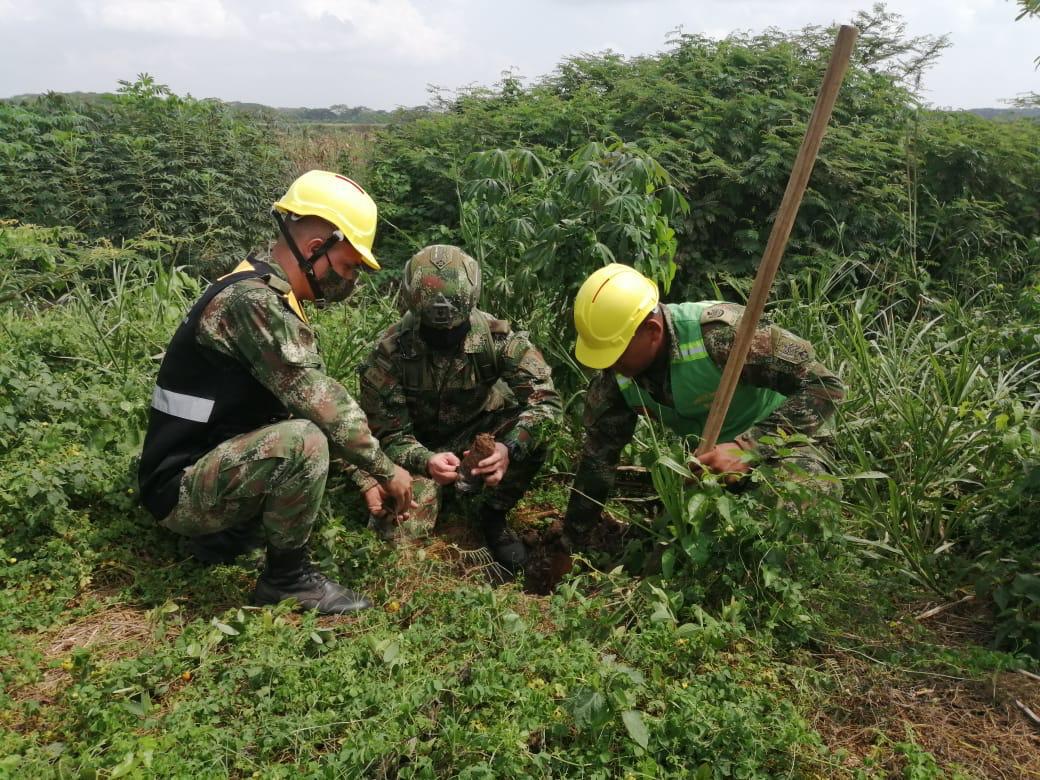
(695, 378)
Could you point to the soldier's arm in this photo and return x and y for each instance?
(609, 424)
(780, 361)
(383, 400)
(249, 323)
(529, 377)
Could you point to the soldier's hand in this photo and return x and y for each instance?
(726, 458)
(443, 467)
(375, 499)
(399, 491)
(494, 466)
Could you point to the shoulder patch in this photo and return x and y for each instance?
(388, 342)
(279, 285)
(729, 313)
(790, 348)
(516, 344)
(499, 327)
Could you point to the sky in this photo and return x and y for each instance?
(385, 53)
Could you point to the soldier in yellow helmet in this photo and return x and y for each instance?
(243, 415)
(665, 361)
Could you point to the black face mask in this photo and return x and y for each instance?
(443, 339)
(336, 288)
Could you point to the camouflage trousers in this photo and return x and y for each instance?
(429, 496)
(276, 473)
(806, 465)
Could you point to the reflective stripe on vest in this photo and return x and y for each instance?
(187, 407)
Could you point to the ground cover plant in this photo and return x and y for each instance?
(771, 633)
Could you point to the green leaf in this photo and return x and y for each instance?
(223, 628)
(124, 767)
(668, 563)
(588, 707)
(134, 707)
(633, 720)
(725, 507)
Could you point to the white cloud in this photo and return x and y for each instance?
(394, 25)
(13, 12)
(185, 18)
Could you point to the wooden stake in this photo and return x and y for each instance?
(781, 231)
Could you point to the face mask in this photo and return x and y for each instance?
(335, 288)
(443, 339)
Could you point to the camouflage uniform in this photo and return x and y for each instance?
(420, 401)
(277, 472)
(777, 360)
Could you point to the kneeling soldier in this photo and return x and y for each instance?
(444, 373)
(243, 413)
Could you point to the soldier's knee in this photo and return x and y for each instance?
(315, 443)
(305, 439)
(427, 494)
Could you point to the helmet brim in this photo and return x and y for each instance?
(603, 357)
(367, 256)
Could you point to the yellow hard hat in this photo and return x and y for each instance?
(338, 200)
(608, 309)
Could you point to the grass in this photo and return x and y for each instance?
(120, 659)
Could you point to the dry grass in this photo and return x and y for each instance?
(964, 723)
(118, 631)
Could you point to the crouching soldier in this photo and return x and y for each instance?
(666, 361)
(243, 414)
(442, 374)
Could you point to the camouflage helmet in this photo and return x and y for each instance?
(441, 286)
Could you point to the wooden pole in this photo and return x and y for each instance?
(796, 185)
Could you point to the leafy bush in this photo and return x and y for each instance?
(144, 160)
(900, 189)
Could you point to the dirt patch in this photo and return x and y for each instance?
(551, 554)
(114, 633)
(974, 724)
(549, 558)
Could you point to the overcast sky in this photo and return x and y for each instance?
(384, 53)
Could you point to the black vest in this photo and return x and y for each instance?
(201, 398)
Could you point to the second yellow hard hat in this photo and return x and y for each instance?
(608, 309)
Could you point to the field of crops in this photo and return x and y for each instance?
(770, 633)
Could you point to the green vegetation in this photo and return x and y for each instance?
(761, 634)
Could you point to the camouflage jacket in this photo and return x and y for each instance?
(251, 322)
(418, 400)
(777, 360)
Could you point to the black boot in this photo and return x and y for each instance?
(290, 574)
(225, 546)
(506, 548)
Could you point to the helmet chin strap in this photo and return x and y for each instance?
(307, 263)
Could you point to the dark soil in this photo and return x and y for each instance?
(551, 555)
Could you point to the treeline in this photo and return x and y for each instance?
(144, 161)
(945, 195)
